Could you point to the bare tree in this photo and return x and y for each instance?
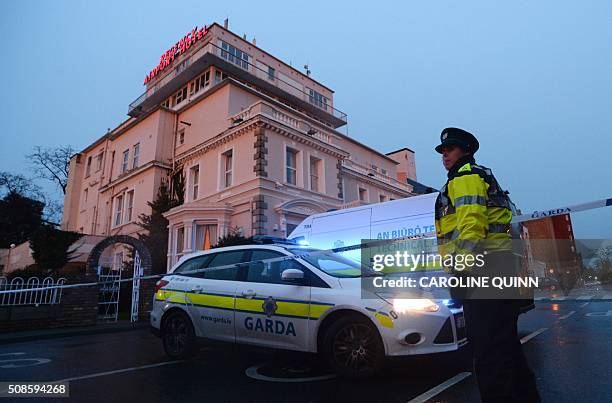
(52, 164)
(52, 214)
(15, 183)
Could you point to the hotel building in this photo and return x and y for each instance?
(255, 140)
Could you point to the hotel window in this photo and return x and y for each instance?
(382, 198)
(315, 163)
(126, 158)
(180, 96)
(317, 99)
(291, 166)
(136, 156)
(99, 159)
(130, 206)
(234, 55)
(166, 103)
(270, 73)
(195, 181)
(205, 236)
(88, 167)
(205, 79)
(227, 161)
(200, 83)
(181, 66)
(118, 209)
(181, 138)
(85, 194)
(180, 242)
(219, 76)
(363, 194)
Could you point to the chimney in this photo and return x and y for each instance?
(226, 23)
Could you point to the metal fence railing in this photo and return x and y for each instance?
(32, 291)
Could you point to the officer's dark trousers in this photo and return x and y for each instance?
(500, 367)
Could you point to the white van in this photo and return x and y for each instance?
(388, 220)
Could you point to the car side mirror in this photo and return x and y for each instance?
(293, 276)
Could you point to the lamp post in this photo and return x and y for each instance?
(8, 259)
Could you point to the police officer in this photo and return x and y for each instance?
(473, 217)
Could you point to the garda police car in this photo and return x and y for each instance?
(295, 300)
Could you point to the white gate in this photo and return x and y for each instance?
(136, 287)
(108, 297)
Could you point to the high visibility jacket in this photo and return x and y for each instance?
(472, 213)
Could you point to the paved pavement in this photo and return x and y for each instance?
(31, 335)
(566, 342)
(591, 293)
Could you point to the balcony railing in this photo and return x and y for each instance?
(374, 174)
(268, 110)
(354, 203)
(190, 67)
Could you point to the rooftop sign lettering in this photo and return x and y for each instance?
(175, 51)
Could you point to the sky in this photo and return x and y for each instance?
(532, 80)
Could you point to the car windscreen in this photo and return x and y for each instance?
(332, 263)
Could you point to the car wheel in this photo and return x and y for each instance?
(354, 348)
(178, 336)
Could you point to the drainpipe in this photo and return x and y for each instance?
(175, 136)
(96, 209)
(176, 119)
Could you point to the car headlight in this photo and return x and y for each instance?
(421, 304)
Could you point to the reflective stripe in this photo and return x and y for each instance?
(299, 309)
(499, 228)
(499, 201)
(493, 228)
(467, 244)
(191, 298)
(211, 300)
(317, 310)
(384, 320)
(449, 236)
(463, 200)
(172, 296)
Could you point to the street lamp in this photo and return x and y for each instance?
(8, 259)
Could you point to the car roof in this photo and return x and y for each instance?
(276, 247)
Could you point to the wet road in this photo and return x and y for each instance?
(567, 344)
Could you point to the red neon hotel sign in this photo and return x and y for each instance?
(175, 51)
